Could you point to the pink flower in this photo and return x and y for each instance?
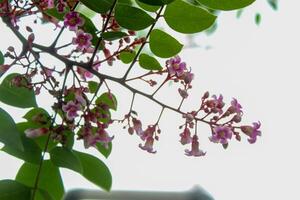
(236, 106)
(252, 131)
(137, 126)
(175, 66)
(188, 77)
(84, 74)
(195, 151)
(103, 137)
(34, 133)
(216, 104)
(71, 110)
(185, 136)
(149, 132)
(61, 5)
(47, 4)
(82, 40)
(148, 146)
(221, 134)
(73, 20)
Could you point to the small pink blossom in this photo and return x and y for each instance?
(185, 136)
(236, 106)
(61, 5)
(34, 133)
(216, 104)
(82, 40)
(148, 146)
(103, 137)
(71, 110)
(188, 77)
(47, 4)
(195, 151)
(84, 74)
(73, 20)
(221, 134)
(175, 66)
(149, 132)
(252, 131)
(137, 126)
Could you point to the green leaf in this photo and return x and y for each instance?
(163, 44)
(239, 13)
(184, 17)
(147, 7)
(69, 139)
(93, 86)
(108, 99)
(42, 140)
(132, 18)
(226, 4)
(16, 96)
(36, 112)
(49, 180)
(31, 153)
(12, 190)
(257, 18)
(63, 157)
(95, 170)
(85, 11)
(99, 6)
(156, 2)
(9, 134)
(273, 4)
(43, 195)
(110, 36)
(38, 117)
(1, 58)
(149, 62)
(103, 150)
(127, 56)
(54, 13)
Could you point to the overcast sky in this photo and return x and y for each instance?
(259, 65)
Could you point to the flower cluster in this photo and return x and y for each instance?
(82, 111)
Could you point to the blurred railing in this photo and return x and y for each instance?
(196, 193)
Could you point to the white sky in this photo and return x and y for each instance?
(257, 65)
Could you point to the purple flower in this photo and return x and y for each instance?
(82, 40)
(221, 134)
(188, 77)
(71, 110)
(185, 136)
(195, 151)
(216, 104)
(236, 106)
(34, 133)
(252, 131)
(148, 146)
(103, 137)
(137, 126)
(61, 5)
(175, 66)
(72, 20)
(149, 132)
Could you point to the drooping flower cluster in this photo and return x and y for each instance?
(90, 117)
